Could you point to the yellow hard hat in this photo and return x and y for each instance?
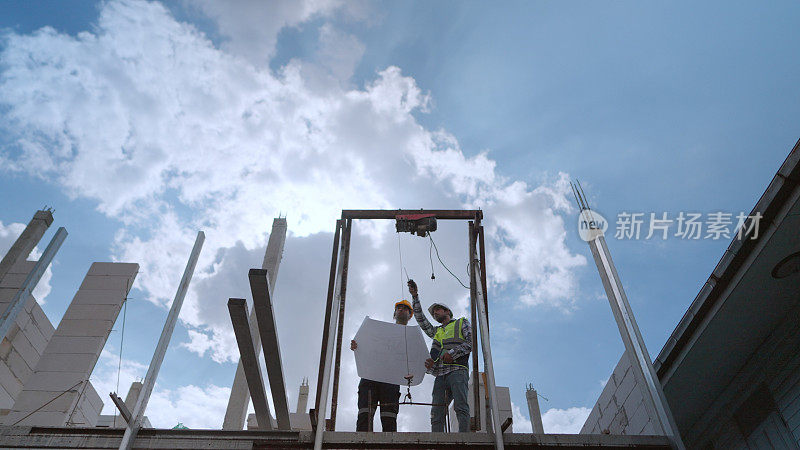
(404, 302)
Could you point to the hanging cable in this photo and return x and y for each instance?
(430, 256)
(443, 264)
(50, 401)
(408, 367)
(402, 267)
(121, 341)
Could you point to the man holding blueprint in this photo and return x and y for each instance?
(387, 355)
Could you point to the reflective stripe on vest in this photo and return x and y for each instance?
(447, 337)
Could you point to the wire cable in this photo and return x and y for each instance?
(51, 401)
(430, 256)
(122, 340)
(402, 267)
(443, 264)
(408, 365)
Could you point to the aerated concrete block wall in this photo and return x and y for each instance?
(620, 408)
(64, 367)
(26, 340)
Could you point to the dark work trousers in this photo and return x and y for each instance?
(370, 394)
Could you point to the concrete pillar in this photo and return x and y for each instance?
(133, 394)
(302, 397)
(63, 370)
(236, 412)
(533, 410)
(26, 241)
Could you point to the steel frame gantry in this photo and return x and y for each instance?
(331, 349)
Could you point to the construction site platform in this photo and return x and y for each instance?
(109, 438)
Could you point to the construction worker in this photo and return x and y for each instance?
(452, 343)
(371, 393)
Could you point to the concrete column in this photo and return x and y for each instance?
(533, 410)
(302, 397)
(236, 412)
(63, 370)
(26, 241)
(133, 394)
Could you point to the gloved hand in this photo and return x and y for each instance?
(353, 344)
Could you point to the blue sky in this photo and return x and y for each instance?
(141, 123)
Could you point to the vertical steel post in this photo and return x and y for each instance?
(476, 385)
(322, 401)
(655, 400)
(18, 302)
(479, 229)
(475, 267)
(161, 348)
(340, 326)
(327, 321)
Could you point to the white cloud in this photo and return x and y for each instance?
(171, 134)
(251, 27)
(565, 421)
(339, 52)
(530, 238)
(8, 235)
(148, 122)
(522, 423)
(194, 406)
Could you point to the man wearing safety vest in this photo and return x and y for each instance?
(452, 343)
(370, 392)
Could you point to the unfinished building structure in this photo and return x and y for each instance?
(69, 416)
(44, 372)
(730, 371)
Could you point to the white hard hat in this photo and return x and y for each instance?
(440, 305)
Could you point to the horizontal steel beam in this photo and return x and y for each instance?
(262, 304)
(247, 355)
(444, 214)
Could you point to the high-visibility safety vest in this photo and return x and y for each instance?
(446, 338)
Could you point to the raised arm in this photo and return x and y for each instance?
(418, 313)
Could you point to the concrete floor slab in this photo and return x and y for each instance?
(109, 438)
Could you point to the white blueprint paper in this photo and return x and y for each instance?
(388, 352)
